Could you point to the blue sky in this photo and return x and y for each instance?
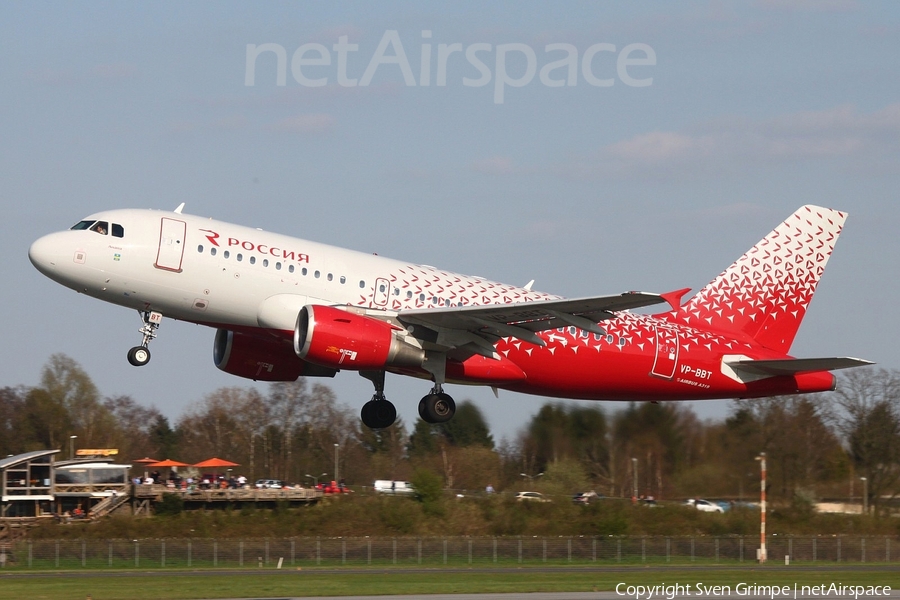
(754, 109)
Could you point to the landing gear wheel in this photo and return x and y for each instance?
(139, 356)
(378, 414)
(437, 408)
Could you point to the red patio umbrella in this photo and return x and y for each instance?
(168, 463)
(215, 464)
(146, 461)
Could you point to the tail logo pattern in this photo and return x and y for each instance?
(765, 293)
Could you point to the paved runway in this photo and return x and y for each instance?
(579, 596)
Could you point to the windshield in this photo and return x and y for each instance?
(82, 225)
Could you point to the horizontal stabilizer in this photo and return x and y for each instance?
(792, 366)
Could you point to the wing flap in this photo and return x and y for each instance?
(522, 320)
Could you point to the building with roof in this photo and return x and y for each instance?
(26, 484)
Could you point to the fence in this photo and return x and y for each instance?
(401, 551)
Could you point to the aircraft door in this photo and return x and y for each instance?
(382, 289)
(666, 360)
(171, 245)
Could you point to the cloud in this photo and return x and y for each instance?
(809, 5)
(113, 71)
(835, 133)
(660, 146)
(495, 165)
(65, 77)
(304, 124)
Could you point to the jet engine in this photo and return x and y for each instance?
(261, 359)
(341, 339)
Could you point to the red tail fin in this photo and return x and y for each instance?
(764, 294)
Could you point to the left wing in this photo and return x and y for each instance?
(481, 326)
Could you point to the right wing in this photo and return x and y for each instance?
(481, 326)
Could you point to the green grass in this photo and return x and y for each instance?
(181, 585)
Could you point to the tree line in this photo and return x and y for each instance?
(817, 446)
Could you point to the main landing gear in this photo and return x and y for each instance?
(437, 407)
(140, 355)
(379, 413)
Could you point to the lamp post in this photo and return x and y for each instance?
(72, 439)
(337, 454)
(316, 478)
(762, 507)
(634, 474)
(865, 495)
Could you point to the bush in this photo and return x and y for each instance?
(171, 504)
(429, 491)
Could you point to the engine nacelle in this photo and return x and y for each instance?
(261, 359)
(340, 339)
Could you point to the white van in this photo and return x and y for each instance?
(386, 486)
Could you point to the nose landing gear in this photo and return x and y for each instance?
(140, 355)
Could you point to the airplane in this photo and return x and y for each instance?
(285, 307)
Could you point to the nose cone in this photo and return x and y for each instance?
(44, 254)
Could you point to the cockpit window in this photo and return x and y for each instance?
(118, 230)
(101, 227)
(82, 225)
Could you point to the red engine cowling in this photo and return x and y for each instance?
(261, 359)
(340, 339)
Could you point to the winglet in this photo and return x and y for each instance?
(674, 297)
(180, 208)
(529, 284)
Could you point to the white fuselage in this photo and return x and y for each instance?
(206, 271)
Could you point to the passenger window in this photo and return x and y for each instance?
(362, 284)
(240, 257)
(316, 274)
(252, 260)
(330, 277)
(101, 227)
(200, 248)
(278, 266)
(290, 268)
(265, 262)
(409, 294)
(212, 251)
(226, 254)
(117, 230)
(304, 271)
(343, 279)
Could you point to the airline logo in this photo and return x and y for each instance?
(251, 246)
